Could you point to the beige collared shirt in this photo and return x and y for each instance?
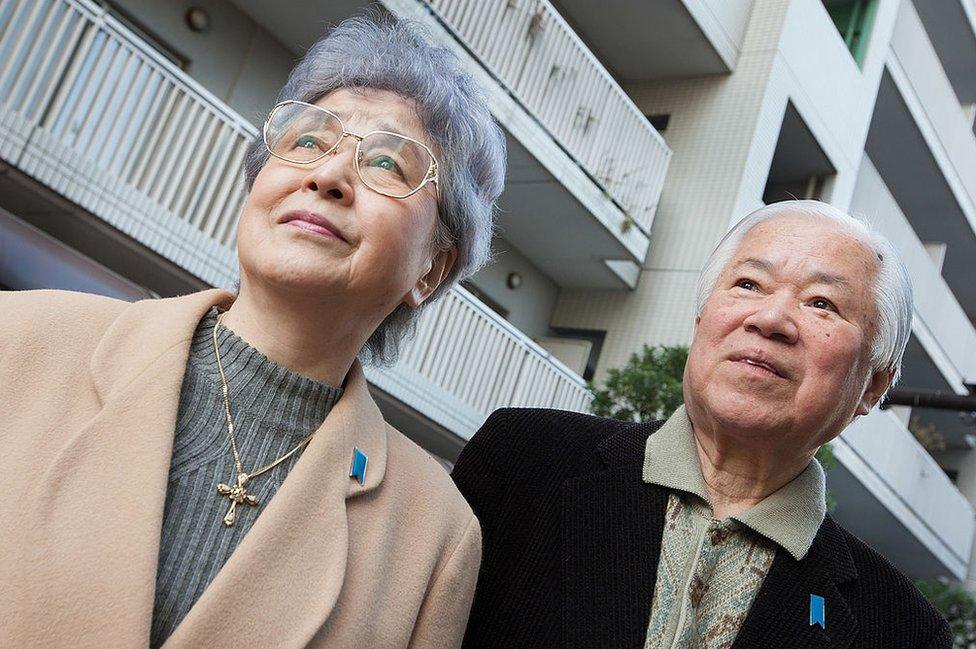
(710, 570)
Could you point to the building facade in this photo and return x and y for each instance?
(638, 133)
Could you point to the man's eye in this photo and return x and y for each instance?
(747, 284)
(823, 303)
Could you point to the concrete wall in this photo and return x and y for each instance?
(530, 306)
(236, 59)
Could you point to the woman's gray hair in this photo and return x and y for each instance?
(892, 287)
(379, 53)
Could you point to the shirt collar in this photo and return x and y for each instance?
(790, 516)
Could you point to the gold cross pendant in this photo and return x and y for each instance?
(237, 494)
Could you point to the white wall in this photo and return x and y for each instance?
(530, 306)
(236, 59)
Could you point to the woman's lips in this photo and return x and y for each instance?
(311, 227)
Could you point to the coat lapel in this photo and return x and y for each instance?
(101, 500)
(782, 606)
(613, 524)
(282, 582)
(97, 528)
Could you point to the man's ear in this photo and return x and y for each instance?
(877, 386)
(439, 267)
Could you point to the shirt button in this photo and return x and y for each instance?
(717, 535)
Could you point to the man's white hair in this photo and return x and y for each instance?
(892, 287)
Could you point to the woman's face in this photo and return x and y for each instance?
(315, 229)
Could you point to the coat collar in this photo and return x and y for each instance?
(117, 464)
(610, 575)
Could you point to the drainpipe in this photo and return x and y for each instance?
(931, 399)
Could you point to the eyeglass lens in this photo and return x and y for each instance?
(389, 164)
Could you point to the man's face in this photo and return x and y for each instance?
(782, 345)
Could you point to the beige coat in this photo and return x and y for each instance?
(89, 390)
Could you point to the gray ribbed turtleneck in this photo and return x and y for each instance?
(273, 410)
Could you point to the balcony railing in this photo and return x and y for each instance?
(918, 72)
(890, 463)
(936, 308)
(92, 112)
(532, 52)
(466, 361)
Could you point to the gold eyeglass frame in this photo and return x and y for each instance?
(430, 177)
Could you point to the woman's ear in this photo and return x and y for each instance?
(439, 267)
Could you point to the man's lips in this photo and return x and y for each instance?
(760, 360)
(312, 222)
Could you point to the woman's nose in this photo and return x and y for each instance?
(774, 319)
(332, 177)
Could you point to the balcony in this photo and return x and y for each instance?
(466, 361)
(587, 167)
(665, 39)
(90, 114)
(924, 149)
(940, 323)
(891, 493)
(951, 24)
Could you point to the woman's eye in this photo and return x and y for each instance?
(385, 163)
(307, 142)
(823, 303)
(747, 284)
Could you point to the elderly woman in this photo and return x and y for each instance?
(709, 530)
(210, 470)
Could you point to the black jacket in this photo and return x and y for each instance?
(572, 535)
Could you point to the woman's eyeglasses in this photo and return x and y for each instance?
(388, 163)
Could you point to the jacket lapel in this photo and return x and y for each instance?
(281, 583)
(101, 500)
(613, 523)
(782, 606)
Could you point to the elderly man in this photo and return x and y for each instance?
(709, 530)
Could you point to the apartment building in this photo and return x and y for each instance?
(866, 104)
(638, 133)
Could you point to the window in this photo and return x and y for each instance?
(596, 338)
(659, 122)
(853, 19)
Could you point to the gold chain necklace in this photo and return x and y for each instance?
(238, 493)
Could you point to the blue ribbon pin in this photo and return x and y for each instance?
(358, 468)
(817, 614)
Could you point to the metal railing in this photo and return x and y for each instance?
(531, 50)
(464, 348)
(99, 117)
(90, 110)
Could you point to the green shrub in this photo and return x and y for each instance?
(648, 387)
(957, 605)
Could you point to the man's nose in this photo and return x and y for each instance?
(774, 319)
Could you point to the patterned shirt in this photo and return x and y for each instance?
(709, 570)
